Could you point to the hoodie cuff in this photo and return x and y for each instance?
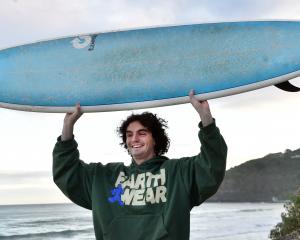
(68, 143)
(209, 128)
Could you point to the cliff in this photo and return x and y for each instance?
(269, 179)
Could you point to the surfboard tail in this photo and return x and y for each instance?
(287, 86)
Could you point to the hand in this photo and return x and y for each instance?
(69, 122)
(202, 107)
(71, 118)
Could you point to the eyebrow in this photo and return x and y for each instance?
(140, 130)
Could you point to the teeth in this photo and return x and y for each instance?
(136, 146)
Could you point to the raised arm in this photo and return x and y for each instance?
(202, 108)
(70, 174)
(202, 174)
(69, 122)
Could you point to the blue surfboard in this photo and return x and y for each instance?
(149, 67)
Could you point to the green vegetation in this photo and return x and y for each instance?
(272, 178)
(290, 219)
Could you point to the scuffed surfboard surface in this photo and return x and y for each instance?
(148, 64)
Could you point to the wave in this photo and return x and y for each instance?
(55, 221)
(50, 235)
(256, 210)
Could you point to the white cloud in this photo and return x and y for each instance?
(20, 187)
(7, 177)
(37, 19)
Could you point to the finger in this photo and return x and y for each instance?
(192, 93)
(194, 101)
(77, 114)
(77, 108)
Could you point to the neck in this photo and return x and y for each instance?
(140, 161)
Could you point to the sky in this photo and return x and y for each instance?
(253, 124)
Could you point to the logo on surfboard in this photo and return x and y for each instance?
(82, 42)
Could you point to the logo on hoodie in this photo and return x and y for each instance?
(137, 190)
(116, 195)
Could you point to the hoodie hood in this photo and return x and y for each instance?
(148, 165)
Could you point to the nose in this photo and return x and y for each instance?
(135, 137)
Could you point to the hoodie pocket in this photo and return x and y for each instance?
(137, 227)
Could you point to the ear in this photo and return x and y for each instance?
(154, 146)
(154, 143)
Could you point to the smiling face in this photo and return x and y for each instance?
(139, 142)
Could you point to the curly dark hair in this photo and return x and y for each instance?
(154, 124)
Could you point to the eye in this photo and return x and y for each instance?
(143, 133)
(128, 134)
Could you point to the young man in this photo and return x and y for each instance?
(152, 198)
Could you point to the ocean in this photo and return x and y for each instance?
(210, 221)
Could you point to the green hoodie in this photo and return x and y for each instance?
(142, 202)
